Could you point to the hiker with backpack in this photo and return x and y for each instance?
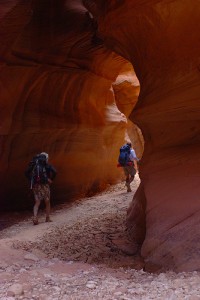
(128, 160)
(40, 175)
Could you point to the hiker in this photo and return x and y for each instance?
(41, 175)
(128, 160)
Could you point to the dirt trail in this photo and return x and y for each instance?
(85, 253)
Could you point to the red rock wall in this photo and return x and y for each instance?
(56, 96)
(162, 40)
(126, 89)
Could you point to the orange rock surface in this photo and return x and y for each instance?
(61, 92)
(56, 96)
(162, 40)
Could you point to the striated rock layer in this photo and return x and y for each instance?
(162, 40)
(57, 96)
(59, 89)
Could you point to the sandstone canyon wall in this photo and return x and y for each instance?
(162, 40)
(57, 96)
(126, 89)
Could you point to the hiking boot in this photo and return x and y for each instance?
(48, 219)
(35, 221)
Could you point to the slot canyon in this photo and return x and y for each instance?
(79, 78)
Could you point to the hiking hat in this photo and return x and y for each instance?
(45, 154)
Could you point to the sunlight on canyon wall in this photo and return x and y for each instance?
(57, 96)
(162, 41)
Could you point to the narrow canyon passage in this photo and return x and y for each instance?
(74, 79)
(91, 230)
(158, 37)
(85, 253)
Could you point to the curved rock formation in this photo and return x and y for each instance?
(162, 41)
(126, 89)
(57, 96)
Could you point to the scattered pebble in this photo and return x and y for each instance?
(87, 254)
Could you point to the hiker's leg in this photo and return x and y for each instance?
(37, 197)
(35, 211)
(131, 179)
(36, 207)
(132, 173)
(127, 174)
(127, 178)
(48, 208)
(128, 187)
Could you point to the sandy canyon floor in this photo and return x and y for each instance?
(84, 254)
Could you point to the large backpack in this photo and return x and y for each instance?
(38, 170)
(124, 155)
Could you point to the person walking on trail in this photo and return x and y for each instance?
(41, 175)
(128, 160)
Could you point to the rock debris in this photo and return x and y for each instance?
(85, 254)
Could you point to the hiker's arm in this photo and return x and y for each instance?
(52, 173)
(134, 155)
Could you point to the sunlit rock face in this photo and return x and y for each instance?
(57, 96)
(126, 89)
(162, 40)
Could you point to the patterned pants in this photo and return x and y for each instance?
(130, 173)
(41, 192)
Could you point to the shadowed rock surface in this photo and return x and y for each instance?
(57, 81)
(161, 40)
(57, 96)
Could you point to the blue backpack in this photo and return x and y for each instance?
(124, 155)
